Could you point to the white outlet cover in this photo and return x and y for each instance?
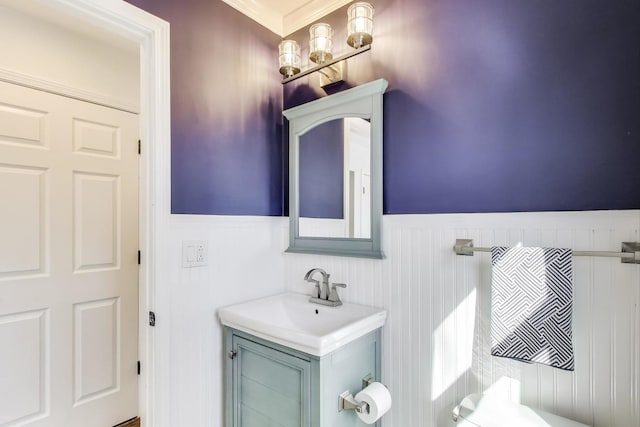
(195, 253)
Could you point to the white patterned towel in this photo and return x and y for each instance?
(532, 305)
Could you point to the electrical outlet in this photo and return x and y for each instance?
(201, 252)
(194, 253)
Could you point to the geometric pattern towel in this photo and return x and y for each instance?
(532, 305)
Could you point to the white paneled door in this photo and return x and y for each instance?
(68, 261)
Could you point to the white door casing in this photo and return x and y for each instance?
(68, 261)
(153, 36)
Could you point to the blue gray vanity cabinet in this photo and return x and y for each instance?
(268, 384)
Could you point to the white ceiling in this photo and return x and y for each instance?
(284, 17)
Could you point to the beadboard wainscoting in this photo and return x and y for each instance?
(245, 262)
(437, 339)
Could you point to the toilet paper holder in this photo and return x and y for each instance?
(346, 401)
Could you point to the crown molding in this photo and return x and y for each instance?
(268, 18)
(309, 13)
(284, 25)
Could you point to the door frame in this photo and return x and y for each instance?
(152, 35)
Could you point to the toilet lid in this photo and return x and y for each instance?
(478, 410)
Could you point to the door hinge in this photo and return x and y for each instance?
(139, 147)
(138, 367)
(139, 257)
(152, 318)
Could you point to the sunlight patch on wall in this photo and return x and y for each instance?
(453, 346)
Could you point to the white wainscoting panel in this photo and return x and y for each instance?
(437, 340)
(245, 262)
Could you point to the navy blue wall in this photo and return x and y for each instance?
(321, 171)
(226, 105)
(499, 105)
(493, 105)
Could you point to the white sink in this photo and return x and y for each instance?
(291, 320)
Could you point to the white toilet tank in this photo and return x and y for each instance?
(480, 410)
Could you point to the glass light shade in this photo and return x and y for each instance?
(320, 43)
(359, 24)
(289, 58)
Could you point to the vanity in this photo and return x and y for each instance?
(288, 361)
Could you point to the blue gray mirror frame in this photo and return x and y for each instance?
(364, 101)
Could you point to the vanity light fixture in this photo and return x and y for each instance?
(359, 36)
(289, 58)
(359, 25)
(320, 43)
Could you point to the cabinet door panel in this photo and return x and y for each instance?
(270, 402)
(251, 418)
(271, 387)
(267, 372)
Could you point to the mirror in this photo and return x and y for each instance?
(335, 179)
(335, 173)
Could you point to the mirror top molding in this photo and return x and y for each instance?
(365, 102)
(366, 90)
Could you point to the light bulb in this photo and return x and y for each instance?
(289, 58)
(359, 24)
(320, 43)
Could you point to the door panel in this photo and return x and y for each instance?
(23, 227)
(24, 366)
(68, 261)
(96, 348)
(22, 126)
(96, 221)
(96, 138)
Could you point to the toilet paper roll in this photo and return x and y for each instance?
(378, 398)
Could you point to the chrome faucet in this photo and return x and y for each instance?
(322, 295)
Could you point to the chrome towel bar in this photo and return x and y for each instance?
(630, 252)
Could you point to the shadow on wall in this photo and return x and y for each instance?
(271, 113)
(302, 94)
